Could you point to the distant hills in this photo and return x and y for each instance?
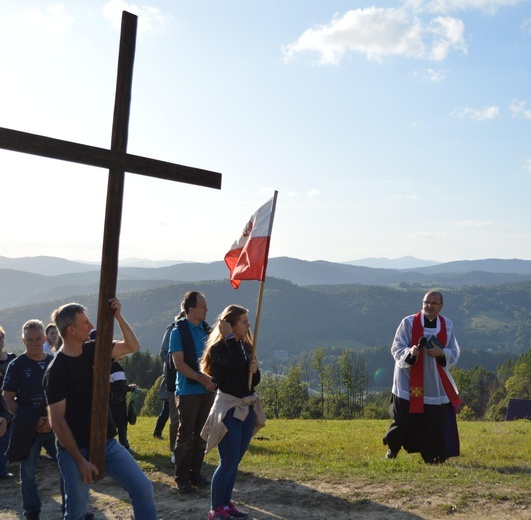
(37, 279)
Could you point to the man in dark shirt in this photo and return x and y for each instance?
(68, 385)
(24, 396)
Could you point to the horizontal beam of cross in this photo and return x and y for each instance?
(33, 144)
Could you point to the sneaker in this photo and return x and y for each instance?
(220, 513)
(391, 454)
(234, 512)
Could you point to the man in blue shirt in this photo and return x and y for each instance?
(30, 430)
(194, 391)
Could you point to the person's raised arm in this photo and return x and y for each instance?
(130, 342)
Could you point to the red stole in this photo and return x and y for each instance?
(416, 381)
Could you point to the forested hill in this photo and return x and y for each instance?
(39, 279)
(487, 319)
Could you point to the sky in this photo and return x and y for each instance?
(388, 128)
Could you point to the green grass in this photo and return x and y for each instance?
(495, 461)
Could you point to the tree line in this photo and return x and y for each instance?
(331, 383)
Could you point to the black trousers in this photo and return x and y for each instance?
(432, 433)
(119, 416)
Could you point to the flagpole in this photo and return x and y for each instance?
(261, 289)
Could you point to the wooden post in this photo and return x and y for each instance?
(111, 245)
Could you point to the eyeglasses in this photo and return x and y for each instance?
(431, 303)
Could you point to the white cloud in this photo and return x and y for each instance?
(436, 75)
(150, 19)
(527, 166)
(477, 114)
(526, 26)
(53, 19)
(314, 193)
(378, 33)
(519, 109)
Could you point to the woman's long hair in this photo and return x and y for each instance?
(231, 314)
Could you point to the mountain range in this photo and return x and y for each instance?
(37, 279)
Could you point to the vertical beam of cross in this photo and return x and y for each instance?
(111, 243)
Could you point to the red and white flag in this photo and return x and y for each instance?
(247, 258)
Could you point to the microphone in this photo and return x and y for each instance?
(422, 342)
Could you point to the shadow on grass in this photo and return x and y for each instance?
(267, 499)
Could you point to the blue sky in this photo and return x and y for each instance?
(388, 128)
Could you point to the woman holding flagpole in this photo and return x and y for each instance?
(237, 412)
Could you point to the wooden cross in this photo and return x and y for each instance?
(118, 161)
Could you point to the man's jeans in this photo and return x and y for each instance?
(31, 501)
(122, 468)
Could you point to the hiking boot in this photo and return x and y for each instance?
(391, 454)
(220, 513)
(234, 512)
(185, 487)
(199, 480)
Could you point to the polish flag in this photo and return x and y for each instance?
(247, 258)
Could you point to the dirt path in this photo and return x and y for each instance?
(267, 499)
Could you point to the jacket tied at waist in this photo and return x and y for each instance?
(214, 429)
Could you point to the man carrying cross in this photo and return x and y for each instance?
(68, 385)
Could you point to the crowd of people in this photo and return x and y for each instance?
(208, 391)
(208, 395)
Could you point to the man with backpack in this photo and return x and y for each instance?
(194, 391)
(167, 388)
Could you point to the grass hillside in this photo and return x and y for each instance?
(492, 473)
(317, 470)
